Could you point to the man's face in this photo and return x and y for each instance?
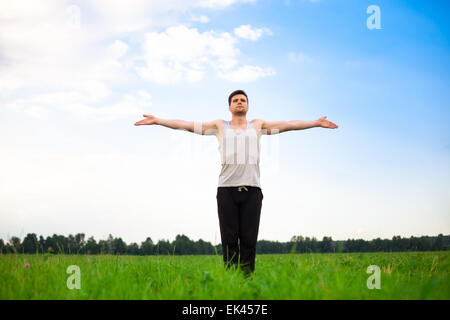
(239, 105)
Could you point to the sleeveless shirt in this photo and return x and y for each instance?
(239, 156)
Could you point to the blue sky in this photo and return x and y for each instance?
(75, 77)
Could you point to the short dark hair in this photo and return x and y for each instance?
(235, 93)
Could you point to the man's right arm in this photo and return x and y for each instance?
(203, 128)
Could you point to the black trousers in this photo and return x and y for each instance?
(239, 213)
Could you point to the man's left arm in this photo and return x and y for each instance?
(276, 127)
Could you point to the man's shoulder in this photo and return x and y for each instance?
(255, 121)
(219, 124)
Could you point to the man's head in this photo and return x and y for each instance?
(238, 102)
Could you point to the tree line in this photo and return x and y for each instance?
(182, 245)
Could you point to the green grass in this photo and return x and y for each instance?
(405, 275)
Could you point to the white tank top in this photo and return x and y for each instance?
(240, 157)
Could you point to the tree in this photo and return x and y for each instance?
(133, 249)
(163, 247)
(30, 243)
(299, 243)
(91, 246)
(400, 244)
(42, 247)
(339, 247)
(147, 247)
(119, 246)
(183, 245)
(439, 242)
(15, 244)
(58, 243)
(71, 246)
(115, 245)
(377, 245)
(103, 247)
(110, 244)
(202, 247)
(424, 244)
(326, 245)
(314, 245)
(79, 242)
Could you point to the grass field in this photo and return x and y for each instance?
(403, 275)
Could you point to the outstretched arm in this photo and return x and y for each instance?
(283, 126)
(203, 128)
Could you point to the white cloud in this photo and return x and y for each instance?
(36, 45)
(201, 19)
(118, 49)
(249, 33)
(42, 48)
(72, 53)
(81, 104)
(220, 3)
(183, 54)
(248, 74)
(119, 17)
(59, 43)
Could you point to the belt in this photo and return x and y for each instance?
(240, 188)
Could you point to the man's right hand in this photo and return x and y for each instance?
(149, 120)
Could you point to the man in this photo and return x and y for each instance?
(239, 195)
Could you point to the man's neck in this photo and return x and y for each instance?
(238, 120)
